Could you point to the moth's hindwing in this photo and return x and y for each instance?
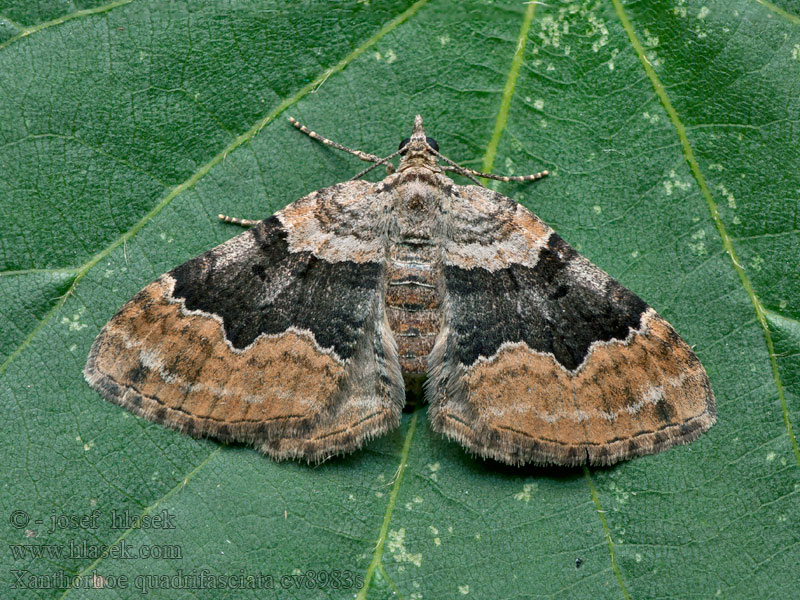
(544, 358)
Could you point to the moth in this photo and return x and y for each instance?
(300, 335)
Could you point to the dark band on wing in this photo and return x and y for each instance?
(544, 306)
(274, 289)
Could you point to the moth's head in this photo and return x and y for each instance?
(418, 150)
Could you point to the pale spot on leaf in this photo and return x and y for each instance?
(525, 494)
(650, 39)
(653, 119)
(397, 548)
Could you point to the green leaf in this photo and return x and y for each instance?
(671, 130)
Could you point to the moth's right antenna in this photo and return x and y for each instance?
(472, 174)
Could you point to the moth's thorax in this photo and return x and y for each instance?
(416, 205)
(413, 297)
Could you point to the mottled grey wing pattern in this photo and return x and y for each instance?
(276, 338)
(543, 357)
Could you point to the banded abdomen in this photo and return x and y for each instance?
(412, 301)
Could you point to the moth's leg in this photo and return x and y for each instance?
(235, 221)
(313, 134)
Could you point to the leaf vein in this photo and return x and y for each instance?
(779, 11)
(727, 243)
(508, 91)
(148, 510)
(26, 31)
(377, 554)
(606, 532)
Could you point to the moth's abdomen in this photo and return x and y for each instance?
(412, 301)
